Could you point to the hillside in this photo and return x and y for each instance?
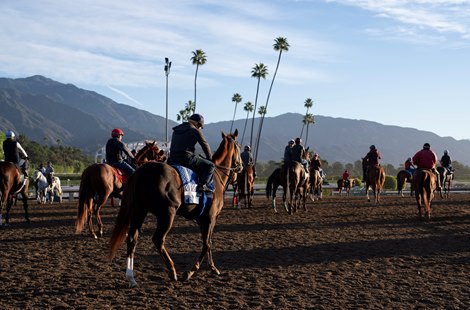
(51, 112)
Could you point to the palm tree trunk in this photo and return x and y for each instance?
(195, 79)
(244, 128)
(233, 119)
(302, 131)
(306, 137)
(254, 113)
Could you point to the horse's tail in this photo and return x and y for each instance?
(269, 183)
(124, 217)
(85, 202)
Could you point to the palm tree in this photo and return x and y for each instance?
(259, 71)
(248, 108)
(188, 110)
(237, 98)
(309, 119)
(308, 104)
(280, 44)
(262, 112)
(198, 59)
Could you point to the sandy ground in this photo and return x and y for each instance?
(343, 253)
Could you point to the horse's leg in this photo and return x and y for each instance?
(90, 210)
(99, 203)
(164, 223)
(206, 232)
(24, 197)
(367, 192)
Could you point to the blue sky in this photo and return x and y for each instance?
(403, 63)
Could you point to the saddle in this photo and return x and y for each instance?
(189, 180)
(119, 174)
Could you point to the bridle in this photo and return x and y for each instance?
(238, 163)
(140, 158)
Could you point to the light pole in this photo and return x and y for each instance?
(167, 72)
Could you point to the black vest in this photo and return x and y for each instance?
(10, 149)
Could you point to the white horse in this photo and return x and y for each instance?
(46, 192)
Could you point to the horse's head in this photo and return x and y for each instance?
(150, 152)
(228, 153)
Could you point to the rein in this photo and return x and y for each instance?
(229, 169)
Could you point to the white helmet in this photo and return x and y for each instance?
(9, 134)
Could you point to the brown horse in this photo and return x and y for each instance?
(316, 185)
(344, 184)
(245, 182)
(375, 178)
(404, 177)
(298, 183)
(276, 179)
(10, 185)
(425, 185)
(446, 180)
(101, 181)
(157, 188)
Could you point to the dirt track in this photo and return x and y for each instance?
(341, 254)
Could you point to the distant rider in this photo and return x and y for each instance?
(247, 159)
(13, 152)
(427, 159)
(116, 151)
(446, 162)
(371, 159)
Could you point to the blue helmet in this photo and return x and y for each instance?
(9, 134)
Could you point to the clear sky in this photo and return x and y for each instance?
(396, 62)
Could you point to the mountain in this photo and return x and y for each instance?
(39, 107)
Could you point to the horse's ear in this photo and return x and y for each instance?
(223, 134)
(153, 143)
(235, 133)
(308, 148)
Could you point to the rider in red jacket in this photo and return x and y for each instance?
(427, 159)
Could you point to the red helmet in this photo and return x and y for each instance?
(117, 132)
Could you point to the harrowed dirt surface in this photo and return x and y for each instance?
(343, 253)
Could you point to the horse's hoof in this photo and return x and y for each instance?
(188, 275)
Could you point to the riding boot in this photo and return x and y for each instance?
(438, 181)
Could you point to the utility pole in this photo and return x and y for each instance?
(167, 72)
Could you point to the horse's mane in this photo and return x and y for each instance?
(222, 147)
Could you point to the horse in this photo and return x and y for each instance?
(404, 177)
(425, 185)
(298, 185)
(100, 181)
(55, 187)
(245, 181)
(41, 185)
(11, 184)
(157, 188)
(445, 179)
(316, 185)
(344, 184)
(375, 178)
(276, 179)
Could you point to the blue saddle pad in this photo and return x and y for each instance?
(189, 180)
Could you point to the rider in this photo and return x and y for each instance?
(116, 150)
(427, 159)
(183, 142)
(409, 167)
(288, 152)
(315, 164)
(446, 162)
(49, 172)
(346, 176)
(298, 152)
(42, 169)
(13, 151)
(371, 160)
(247, 159)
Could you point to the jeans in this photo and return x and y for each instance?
(125, 167)
(203, 167)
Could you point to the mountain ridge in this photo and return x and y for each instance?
(51, 112)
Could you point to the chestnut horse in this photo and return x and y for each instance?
(157, 188)
(445, 179)
(10, 185)
(375, 178)
(316, 185)
(425, 185)
(245, 182)
(276, 179)
(404, 177)
(100, 181)
(344, 184)
(298, 185)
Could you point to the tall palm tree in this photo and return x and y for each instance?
(310, 119)
(237, 98)
(280, 45)
(259, 71)
(308, 104)
(248, 108)
(185, 113)
(198, 59)
(262, 112)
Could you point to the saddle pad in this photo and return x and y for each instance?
(189, 180)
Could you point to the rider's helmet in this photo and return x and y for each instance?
(446, 152)
(372, 147)
(198, 118)
(117, 132)
(247, 148)
(408, 159)
(315, 154)
(298, 140)
(291, 141)
(9, 134)
(426, 146)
